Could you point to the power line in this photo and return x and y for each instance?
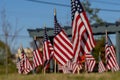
(22, 36)
(65, 5)
(50, 3)
(104, 2)
(109, 10)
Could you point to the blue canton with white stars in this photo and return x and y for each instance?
(57, 26)
(45, 35)
(109, 43)
(76, 6)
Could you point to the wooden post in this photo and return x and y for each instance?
(55, 67)
(55, 60)
(85, 65)
(118, 47)
(44, 71)
(78, 70)
(34, 38)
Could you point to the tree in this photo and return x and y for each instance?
(92, 13)
(10, 31)
(9, 35)
(100, 47)
(2, 51)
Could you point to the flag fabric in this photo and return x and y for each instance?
(76, 67)
(63, 68)
(90, 62)
(70, 67)
(62, 45)
(111, 60)
(60, 67)
(37, 57)
(22, 61)
(82, 36)
(26, 65)
(19, 65)
(101, 67)
(67, 68)
(47, 50)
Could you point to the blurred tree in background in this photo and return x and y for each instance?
(92, 13)
(100, 48)
(2, 53)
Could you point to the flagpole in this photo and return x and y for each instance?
(35, 38)
(99, 58)
(105, 42)
(78, 70)
(55, 67)
(55, 60)
(85, 65)
(21, 48)
(99, 53)
(43, 56)
(106, 34)
(44, 71)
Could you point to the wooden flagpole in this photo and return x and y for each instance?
(33, 64)
(107, 40)
(78, 70)
(44, 71)
(43, 56)
(85, 65)
(55, 60)
(55, 67)
(106, 34)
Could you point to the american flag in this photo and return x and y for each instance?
(101, 67)
(27, 67)
(90, 62)
(67, 68)
(47, 50)
(111, 60)
(37, 56)
(60, 67)
(62, 46)
(82, 36)
(19, 65)
(76, 67)
(70, 67)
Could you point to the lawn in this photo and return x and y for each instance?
(52, 76)
(13, 75)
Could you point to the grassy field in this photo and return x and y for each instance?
(11, 69)
(83, 76)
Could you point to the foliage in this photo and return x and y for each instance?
(99, 48)
(3, 53)
(92, 13)
(11, 69)
(10, 31)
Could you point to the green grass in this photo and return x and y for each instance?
(11, 68)
(52, 76)
(13, 75)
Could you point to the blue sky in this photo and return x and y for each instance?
(30, 15)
